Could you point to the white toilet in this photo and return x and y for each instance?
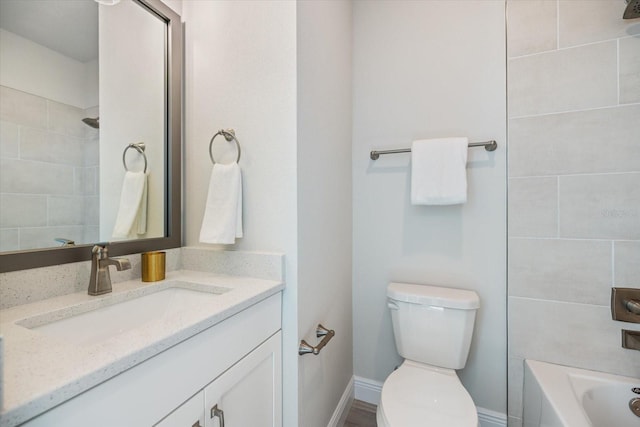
(433, 328)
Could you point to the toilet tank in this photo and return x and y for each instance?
(431, 324)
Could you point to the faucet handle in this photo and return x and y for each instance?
(100, 250)
(625, 304)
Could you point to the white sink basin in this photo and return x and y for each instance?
(88, 324)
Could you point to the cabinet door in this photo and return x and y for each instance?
(189, 414)
(249, 393)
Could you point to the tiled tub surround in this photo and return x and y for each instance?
(41, 372)
(574, 184)
(48, 172)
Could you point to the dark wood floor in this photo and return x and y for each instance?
(361, 414)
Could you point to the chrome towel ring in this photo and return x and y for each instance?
(229, 135)
(139, 147)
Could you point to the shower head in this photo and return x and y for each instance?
(633, 9)
(94, 123)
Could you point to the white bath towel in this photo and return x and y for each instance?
(133, 206)
(222, 222)
(438, 171)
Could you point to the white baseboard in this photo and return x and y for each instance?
(369, 391)
(489, 418)
(342, 410)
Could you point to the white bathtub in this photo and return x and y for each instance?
(560, 396)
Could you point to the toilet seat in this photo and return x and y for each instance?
(417, 395)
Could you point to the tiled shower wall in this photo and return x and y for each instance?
(48, 172)
(574, 184)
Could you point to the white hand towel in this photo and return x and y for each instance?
(222, 222)
(141, 218)
(133, 188)
(438, 171)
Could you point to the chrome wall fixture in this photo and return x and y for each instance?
(632, 10)
(229, 135)
(321, 331)
(139, 147)
(631, 339)
(488, 145)
(625, 307)
(625, 304)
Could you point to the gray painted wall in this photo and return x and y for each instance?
(292, 118)
(421, 70)
(324, 204)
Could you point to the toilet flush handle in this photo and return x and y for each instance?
(392, 305)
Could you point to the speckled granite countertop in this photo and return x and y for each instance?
(41, 372)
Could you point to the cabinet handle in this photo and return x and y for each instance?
(217, 412)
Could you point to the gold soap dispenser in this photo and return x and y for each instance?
(153, 266)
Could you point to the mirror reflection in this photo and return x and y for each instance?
(82, 109)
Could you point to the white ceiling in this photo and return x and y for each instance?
(69, 27)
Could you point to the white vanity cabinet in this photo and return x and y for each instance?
(189, 414)
(235, 364)
(247, 394)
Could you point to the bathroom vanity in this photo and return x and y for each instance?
(186, 351)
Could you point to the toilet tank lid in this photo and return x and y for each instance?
(433, 295)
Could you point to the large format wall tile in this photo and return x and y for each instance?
(579, 335)
(46, 150)
(531, 26)
(588, 21)
(91, 233)
(533, 207)
(630, 70)
(85, 181)
(26, 177)
(22, 108)
(9, 139)
(564, 80)
(92, 211)
(627, 264)
(600, 206)
(20, 210)
(9, 239)
(44, 237)
(573, 116)
(50, 147)
(92, 153)
(66, 210)
(591, 141)
(66, 120)
(565, 270)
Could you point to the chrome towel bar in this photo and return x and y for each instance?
(488, 145)
(321, 331)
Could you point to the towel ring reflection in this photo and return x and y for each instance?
(229, 135)
(139, 147)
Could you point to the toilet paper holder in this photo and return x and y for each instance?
(321, 331)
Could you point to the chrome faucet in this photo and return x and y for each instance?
(100, 282)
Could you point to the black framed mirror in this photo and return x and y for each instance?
(162, 137)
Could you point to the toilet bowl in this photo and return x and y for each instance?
(432, 329)
(416, 395)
